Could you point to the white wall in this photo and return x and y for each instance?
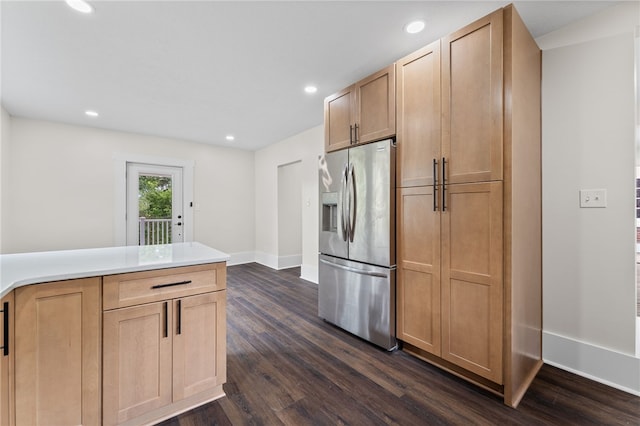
(60, 189)
(290, 215)
(589, 303)
(5, 134)
(305, 147)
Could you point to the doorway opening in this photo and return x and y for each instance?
(290, 215)
(154, 204)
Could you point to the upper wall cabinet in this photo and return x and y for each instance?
(361, 113)
(472, 101)
(418, 92)
(450, 107)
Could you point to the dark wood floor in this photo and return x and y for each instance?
(287, 366)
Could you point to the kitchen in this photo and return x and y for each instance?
(250, 180)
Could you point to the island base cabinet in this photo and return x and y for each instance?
(199, 346)
(57, 353)
(137, 361)
(7, 411)
(167, 356)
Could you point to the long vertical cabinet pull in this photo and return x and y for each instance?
(179, 314)
(5, 331)
(165, 312)
(350, 134)
(435, 185)
(444, 182)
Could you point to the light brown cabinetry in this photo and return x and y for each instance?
(361, 113)
(164, 342)
(469, 205)
(7, 350)
(472, 107)
(472, 278)
(418, 105)
(57, 353)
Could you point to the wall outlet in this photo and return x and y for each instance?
(593, 198)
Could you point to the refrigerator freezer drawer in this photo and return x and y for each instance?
(359, 298)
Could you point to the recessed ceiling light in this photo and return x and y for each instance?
(230, 138)
(311, 89)
(91, 113)
(80, 5)
(414, 27)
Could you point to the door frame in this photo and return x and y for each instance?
(120, 161)
(134, 171)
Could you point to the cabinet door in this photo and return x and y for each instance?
(472, 101)
(199, 344)
(376, 106)
(418, 137)
(472, 294)
(339, 119)
(418, 277)
(7, 411)
(57, 346)
(137, 361)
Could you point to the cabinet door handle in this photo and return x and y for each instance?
(179, 317)
(444, 181)
(171, 284)
(350, 134)
(165, 308)
(355, 133)
(435, 185)
(5, 331)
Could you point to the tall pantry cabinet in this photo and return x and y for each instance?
(469, 204)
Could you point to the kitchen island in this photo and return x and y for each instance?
(118, 335)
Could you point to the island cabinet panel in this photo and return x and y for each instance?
(7, 340)
(151, 286)
(137, 361)
(166, 356)
(199, 344)
(57, 353)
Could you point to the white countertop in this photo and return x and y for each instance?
(30, 268)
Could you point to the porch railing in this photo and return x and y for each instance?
(154, 231)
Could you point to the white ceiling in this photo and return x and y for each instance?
(199, 70)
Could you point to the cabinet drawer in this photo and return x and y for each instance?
(151, 286)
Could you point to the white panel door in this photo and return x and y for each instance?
(154, 204)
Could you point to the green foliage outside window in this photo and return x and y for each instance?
(155, 197)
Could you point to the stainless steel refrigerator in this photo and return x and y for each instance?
(356, 280)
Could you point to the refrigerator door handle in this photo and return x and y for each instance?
(344, 213)
(355, 270)
(352, 202)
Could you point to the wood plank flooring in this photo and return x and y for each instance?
(286, 366)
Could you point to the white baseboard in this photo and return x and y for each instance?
(267, 259)
(603, 365)
(309, 273)
(638, 337)
(242, 257)
(291, 261)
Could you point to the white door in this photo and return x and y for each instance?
(154, 204)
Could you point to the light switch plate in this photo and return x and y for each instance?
(593, 198)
